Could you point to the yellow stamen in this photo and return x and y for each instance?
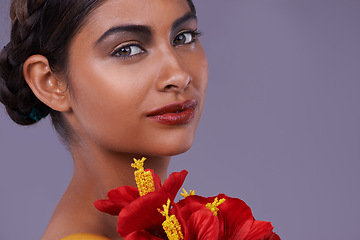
(144, 179)
(214, 206)
(185, 194)
(171, 225)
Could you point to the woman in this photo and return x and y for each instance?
(120, 79)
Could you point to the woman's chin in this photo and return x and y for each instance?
(170, 149)
(175, 152)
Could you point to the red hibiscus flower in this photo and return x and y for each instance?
(121, 197)
(236, 221)
(138, 215)
(149, 212)
(192, 222)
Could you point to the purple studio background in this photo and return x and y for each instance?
(280, 130)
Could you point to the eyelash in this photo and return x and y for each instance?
(118, 49)
(195, 34)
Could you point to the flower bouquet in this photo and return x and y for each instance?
(149, 212)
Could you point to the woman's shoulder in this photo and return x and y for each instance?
(84, 236)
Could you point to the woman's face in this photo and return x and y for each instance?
(138, 77)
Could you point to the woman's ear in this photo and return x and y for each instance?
(45, 86)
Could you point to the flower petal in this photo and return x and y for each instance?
(142, 214)
(110, 206)
(173, 183)
(188, 209)
(141, 235)
(233, 214)
(261, 230)
(274, 236)
(193, 199)
(118, 199)
(201, 224)
(124, 193)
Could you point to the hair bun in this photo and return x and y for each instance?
(20, 102)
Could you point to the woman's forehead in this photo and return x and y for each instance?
(138, 12)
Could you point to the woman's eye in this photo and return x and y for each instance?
(185, 38)
(127, 51)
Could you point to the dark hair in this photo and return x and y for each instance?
(44, 27)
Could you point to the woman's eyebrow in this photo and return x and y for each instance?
(187, 17)
(137, 29)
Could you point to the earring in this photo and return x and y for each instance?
(36, 114)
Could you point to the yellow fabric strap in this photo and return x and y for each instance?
(84, 236)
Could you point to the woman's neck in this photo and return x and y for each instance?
(104, 170)
(96, 171)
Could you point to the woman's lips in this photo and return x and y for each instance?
(175, 113)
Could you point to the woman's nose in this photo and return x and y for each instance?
(173, 75)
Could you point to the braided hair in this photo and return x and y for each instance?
(44, 27)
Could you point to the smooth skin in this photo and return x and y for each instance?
(130, 58)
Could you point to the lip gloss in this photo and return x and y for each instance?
(175, 113)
